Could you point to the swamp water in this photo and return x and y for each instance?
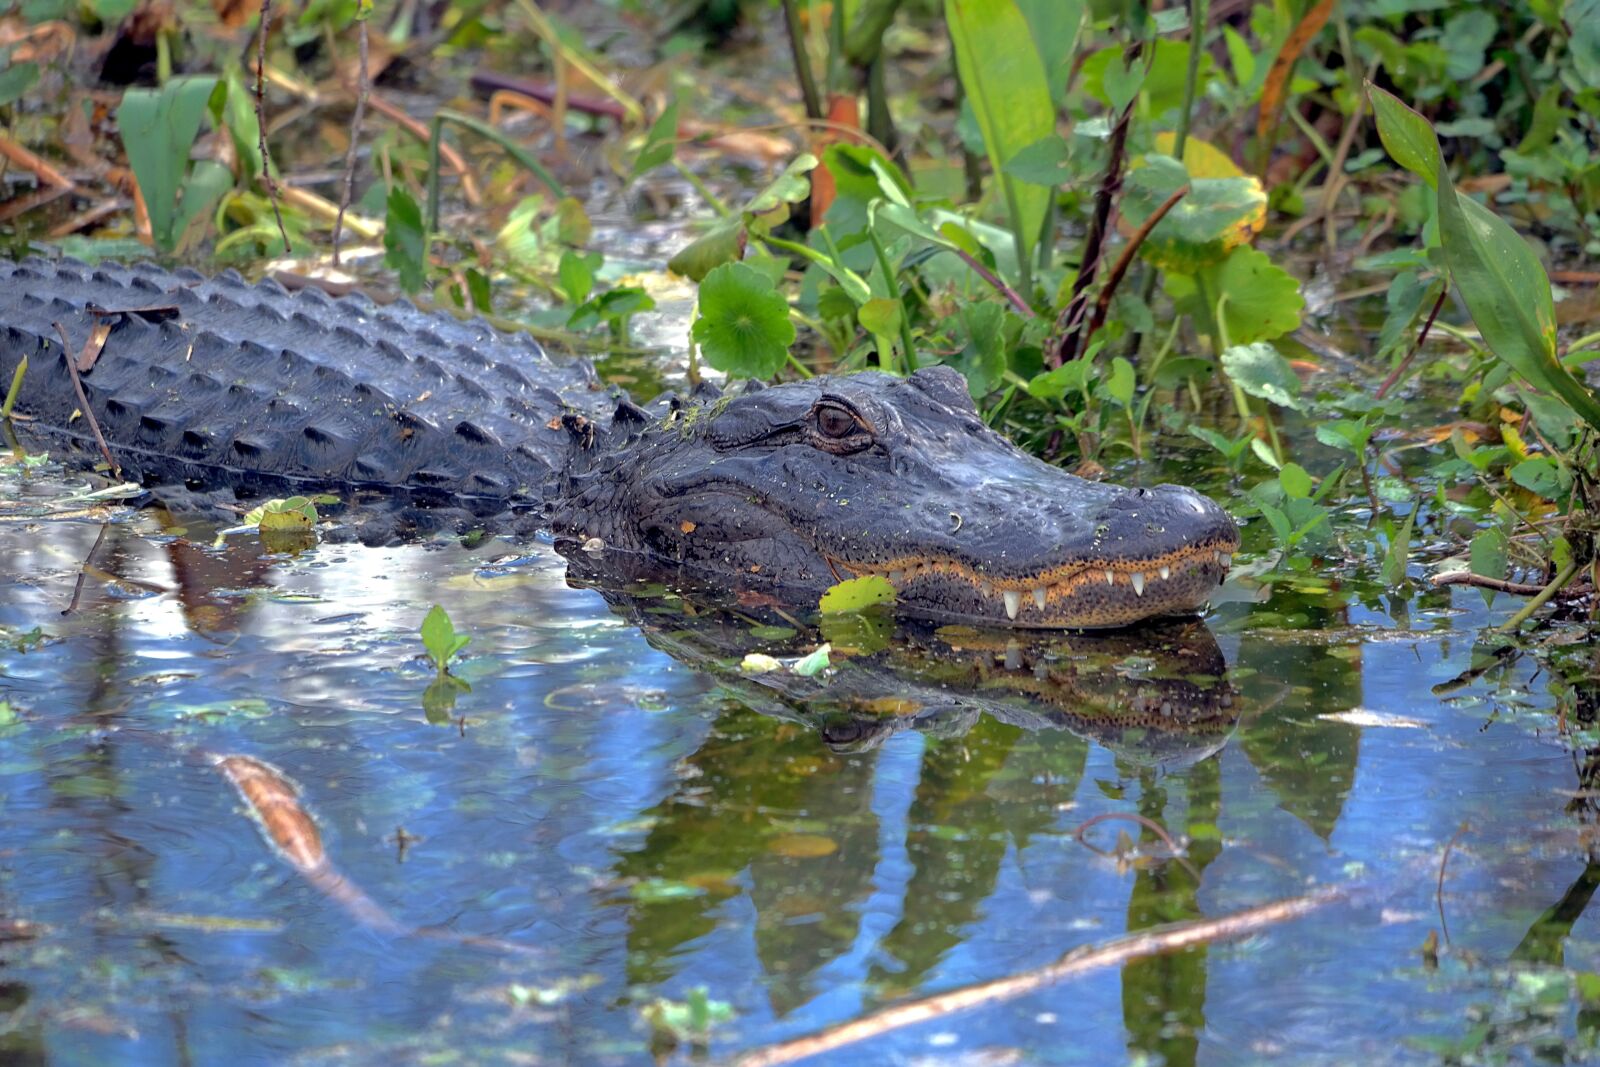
(638, 820)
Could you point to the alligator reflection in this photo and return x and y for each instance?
(1006, 725)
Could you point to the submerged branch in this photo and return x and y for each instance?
(1157, 941)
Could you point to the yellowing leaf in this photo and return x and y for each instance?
(802, 846)
(857, 594)
(1201, 158)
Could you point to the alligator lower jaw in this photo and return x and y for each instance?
(1076, 596)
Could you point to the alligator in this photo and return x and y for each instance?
(212, 383)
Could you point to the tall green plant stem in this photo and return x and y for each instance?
(1199, 16)
(893, 290)
(802, 60)
(1541, 598)
(15, 390)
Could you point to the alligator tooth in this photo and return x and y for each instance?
(1138, 583)
(1038, 598)
(986, 588)
(1165, 572)
(1166, 708)
(1225, 559)
(1111, 578)
(1013, 603)
(1013, 656)
(896, 577)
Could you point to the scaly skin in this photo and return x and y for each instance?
(787, 489)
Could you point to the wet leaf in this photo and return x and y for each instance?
(1583, 17)
(857, 594)
(743, 327)
(1261, 371)
(294, 514)
(1488, 557)
(1217, 215)
(759, 663)
(440, 639)
(813, 664)
(802, 846)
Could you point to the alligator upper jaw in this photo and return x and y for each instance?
(1083, 594)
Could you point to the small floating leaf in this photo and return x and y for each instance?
(858, 594)
(759, 663)
(815, 663)
(802, 846)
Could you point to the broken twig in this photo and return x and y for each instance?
(1157, 941)
(83, 399)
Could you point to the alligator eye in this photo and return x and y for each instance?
(836, 422)
(834, 426)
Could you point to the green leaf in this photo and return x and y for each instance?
(1216, 216)
(1583, 17)
(1399, 552)
(725, 242)
(1120, 83)
(857, 594)
(1543, 476)
(1261, 371)
(881, 317)
(1120, 383)
(743, 327)
(206, 183)
(159, 127)
(404, 240)
(1406, 135)
(1259, 299)
(660, 143)
(440, 639)
(1055, 25)
(1350, 435)
(1488, 557)
(16, 79)
(295, 514)
(613, 307)
(1010, 96)
(1295, 481)
(1044, 162)
(576, 274)
(815, 663)
(1508, 295)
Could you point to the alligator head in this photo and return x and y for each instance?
(801, 485)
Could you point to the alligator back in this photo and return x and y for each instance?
(250, 382)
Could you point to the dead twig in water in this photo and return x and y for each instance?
(1438, 892)
(267, 179)
(363, 85)
(83, 570)
(1499, 585)
(1157, 941)
(1175, 849)
(83, 399)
